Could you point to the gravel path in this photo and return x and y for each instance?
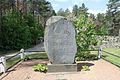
(99, 70)
(36, 48)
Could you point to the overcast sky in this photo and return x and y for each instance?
(94, 6)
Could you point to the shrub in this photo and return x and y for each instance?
(15, 32)
(26, 58)
(36, 29)
(40, 67)
(19, 31)
(85, 37)
(85, 68)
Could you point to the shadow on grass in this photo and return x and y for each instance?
(104, 56)
(79, 65)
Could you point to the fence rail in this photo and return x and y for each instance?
(7, 62)
(33, 51)
(13, 56)
(111, 54)
(20, 55)
(112, 58)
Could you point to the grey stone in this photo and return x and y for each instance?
(62, 68)
(59, 41)
(54, 19)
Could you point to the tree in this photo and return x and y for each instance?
(101, 25)
(5, 6)
(75, 10)
(54, 13)
(19, 31)
(67, 12)
(42, 8)
(15, 33)
(113, 16)
(92, 16)
(83, 9)
(85, 37)
(61, 12)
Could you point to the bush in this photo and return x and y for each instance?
(36, 29)
(15, 32)
(85, 37)
(85, 68)
(19, 31)
(40, 67)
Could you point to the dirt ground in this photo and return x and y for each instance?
(99, 70)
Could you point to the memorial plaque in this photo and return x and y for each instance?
(59, 41)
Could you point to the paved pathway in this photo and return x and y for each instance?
(38, 47)
(99, 70)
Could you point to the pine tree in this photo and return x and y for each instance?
(83, 9)
(61, 12)
(75, 10)
(113, 16)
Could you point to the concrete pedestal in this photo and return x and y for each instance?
(62, 68)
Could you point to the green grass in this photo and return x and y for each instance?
(38, 55)
(114, 60)
(11, 62)
(115, 51)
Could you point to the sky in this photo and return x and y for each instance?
(94, 6)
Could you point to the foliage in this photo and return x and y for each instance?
(40, 67)
(42, 8)
(85, 68)
(19, 31)
(113, 16)
(35, 28)
(101, 25)
(61, 12)
(75, 10)
(26, 58)
(83, 9)
(15, 32)
(85, 37)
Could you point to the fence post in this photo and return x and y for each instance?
(22, 54)
(99, 52)
(2, 64)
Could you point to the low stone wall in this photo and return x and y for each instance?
(109, 41)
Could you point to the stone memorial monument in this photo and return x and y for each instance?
(60, 44)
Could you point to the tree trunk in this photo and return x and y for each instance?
(18, 5)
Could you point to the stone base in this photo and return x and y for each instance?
(62, 67)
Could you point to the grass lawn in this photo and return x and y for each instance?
(114, 60)
(38, 55)
(115, 51)
(43, 55)
(11, 62)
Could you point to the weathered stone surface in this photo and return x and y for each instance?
(54, 19)
(59, 41)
